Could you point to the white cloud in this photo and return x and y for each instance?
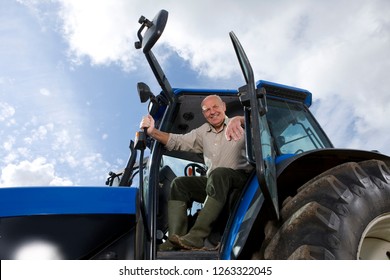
(89, 161)
(6, 113)
(99, 30)
(39, 134)
(341, 56)
(32, 173)
(6, 81)
(8, 144)
(62, 139)
(44, 92)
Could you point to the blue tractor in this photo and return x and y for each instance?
(305, 199)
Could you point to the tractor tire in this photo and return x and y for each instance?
(342, 214)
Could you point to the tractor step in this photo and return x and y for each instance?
(187, 255)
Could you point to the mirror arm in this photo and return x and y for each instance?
(138, 44)
(144, 23)
(160, 76)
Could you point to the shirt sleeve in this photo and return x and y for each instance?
(189, 142)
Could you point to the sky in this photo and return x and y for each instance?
(69, 69)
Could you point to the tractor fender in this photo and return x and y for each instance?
(296, 170)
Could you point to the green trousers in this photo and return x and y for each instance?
(220, 184)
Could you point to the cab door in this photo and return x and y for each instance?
(261, 191)
(258, 137)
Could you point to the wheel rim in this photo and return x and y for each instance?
(375, 241)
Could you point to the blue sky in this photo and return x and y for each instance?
(68, 75)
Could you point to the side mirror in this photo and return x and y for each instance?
(144, 92)
(154, 30)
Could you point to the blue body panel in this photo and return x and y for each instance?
(248, 207)
(245, 214)
(25, 201)
(309, 96)
(178, 91)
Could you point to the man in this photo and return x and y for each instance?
(223, 147)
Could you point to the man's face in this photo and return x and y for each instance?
(214, 111)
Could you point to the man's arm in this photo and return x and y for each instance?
(234, 129)
(148, 123)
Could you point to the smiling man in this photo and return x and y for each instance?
(223, 147)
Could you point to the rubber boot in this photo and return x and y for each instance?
(194, 239)
(177, 223)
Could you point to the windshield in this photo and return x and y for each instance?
(294, 128)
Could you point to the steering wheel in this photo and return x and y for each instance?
(194, 169)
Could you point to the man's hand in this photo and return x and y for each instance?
(234, 129)
(148, 123)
